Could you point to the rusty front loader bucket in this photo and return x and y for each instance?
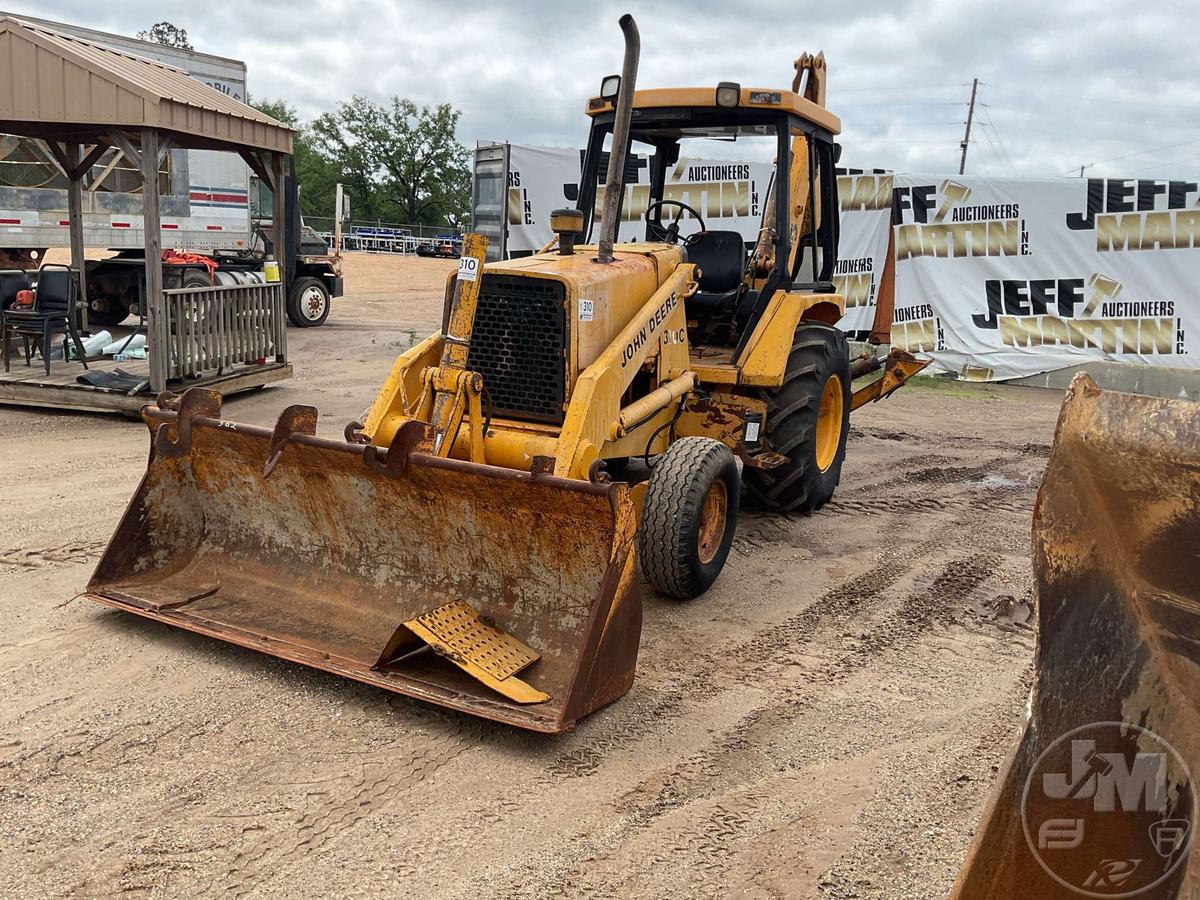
(1097, 799)
(499, 593)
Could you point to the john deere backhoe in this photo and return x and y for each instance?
(467, 544)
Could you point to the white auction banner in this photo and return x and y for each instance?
(728, 194)
(540, 179)
(1007, 277)
(865, 199)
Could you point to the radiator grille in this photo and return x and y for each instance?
(517, 346)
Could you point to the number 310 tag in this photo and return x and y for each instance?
(468, 268)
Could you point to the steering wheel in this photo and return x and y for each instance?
(671, 233)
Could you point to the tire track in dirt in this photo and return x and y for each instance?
(694, 678)
(908, 825)
(58, 554)
(881, 505)
(727, 765)
(585, 759)
(330, 814)
(774, 647)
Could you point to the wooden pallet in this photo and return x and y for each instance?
(31, 386)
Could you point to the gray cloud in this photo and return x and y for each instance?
(1065, 84)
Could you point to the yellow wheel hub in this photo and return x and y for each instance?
(829, 423)
(712, 522)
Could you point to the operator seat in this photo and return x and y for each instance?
(721, 256)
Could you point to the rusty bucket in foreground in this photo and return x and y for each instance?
(1097, 799)
(503, 594)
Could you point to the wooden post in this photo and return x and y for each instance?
(279, 233)
(74, 155)
(158, 343)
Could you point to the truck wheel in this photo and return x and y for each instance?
(689, 516)
(196, 278)
(114, 313)
(808, 419)
(308, 305)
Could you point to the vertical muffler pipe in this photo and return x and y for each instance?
(614, 185)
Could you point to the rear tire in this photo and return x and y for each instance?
(808, 420)
(308, 304)
(688, 517)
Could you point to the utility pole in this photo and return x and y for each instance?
(962, 163)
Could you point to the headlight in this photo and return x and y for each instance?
(728, 93)
(610, 87)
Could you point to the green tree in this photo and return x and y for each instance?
(400, 162)
(167, 34)
(424, 167)
(346, 141)
(397, 161)
(316, 175)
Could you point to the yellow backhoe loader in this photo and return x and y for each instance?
(467, 544)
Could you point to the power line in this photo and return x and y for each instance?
(1107, 101)
(992, 125)
(1177, 162)
(999, 158)
(1126, 123)
(982, 158)
(1132, 155)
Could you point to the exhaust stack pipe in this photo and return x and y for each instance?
(620, 140)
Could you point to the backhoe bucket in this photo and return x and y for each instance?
(504, 594)
(1097, 799)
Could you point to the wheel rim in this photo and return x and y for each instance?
(829, 423)
(712, 522)
(312, 303)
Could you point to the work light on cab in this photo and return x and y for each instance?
(729, 93)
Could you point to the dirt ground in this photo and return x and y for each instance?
(826, 722)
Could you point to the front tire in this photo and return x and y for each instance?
(808, 420)
(308, 304)
(689, 516)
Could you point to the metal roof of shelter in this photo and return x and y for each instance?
(59, 86)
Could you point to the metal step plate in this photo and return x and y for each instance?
(486, 653)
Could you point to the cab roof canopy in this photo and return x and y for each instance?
(758, 99)
(65, 88)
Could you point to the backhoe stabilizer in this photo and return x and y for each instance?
(504, 594)
(898, 366)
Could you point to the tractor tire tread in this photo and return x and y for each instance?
(817, 352)
(674, 498)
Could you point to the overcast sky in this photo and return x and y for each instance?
(1065, 84)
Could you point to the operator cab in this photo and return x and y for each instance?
(740, 271)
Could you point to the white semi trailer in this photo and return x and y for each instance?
(210, 206)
